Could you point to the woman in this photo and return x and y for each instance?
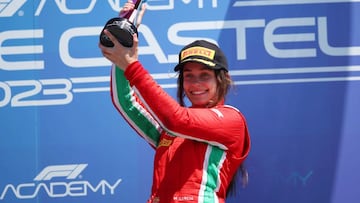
(198, 149)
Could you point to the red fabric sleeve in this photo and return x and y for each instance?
(222, 126)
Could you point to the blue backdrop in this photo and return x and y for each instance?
(296, 68)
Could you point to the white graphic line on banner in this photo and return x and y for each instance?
(299, 80)
(242, 82)
(277, 71)
(287, 2)
(283, 81)
(91, 80)
(295, 70)
(101, 83)
(94, 89)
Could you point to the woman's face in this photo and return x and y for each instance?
(199, 84)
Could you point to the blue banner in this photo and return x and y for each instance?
(296, 71)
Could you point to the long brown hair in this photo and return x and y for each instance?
(224, 83)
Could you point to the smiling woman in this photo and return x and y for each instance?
(198, 149)
(214, 135)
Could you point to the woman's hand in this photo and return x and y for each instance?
(118, 54)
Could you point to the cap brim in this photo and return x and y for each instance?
(205, 62)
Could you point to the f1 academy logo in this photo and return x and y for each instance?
(68, 171)
(47, 181)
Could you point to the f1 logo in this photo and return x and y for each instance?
(9, 7)
(70, 171)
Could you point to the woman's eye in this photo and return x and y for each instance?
(205, 77)
(188, 77)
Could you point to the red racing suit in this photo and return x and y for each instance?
(198, 150)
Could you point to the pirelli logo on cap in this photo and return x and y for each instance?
(198, 51)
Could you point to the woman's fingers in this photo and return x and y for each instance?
(127, 7)
(140, 15)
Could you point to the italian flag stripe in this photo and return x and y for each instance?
(211, 177)
(134, 113)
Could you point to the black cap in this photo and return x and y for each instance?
(203, 52)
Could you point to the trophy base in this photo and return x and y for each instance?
(122, 29)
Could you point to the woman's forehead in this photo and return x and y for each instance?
(189, 66)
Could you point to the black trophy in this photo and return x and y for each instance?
(121, 27)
